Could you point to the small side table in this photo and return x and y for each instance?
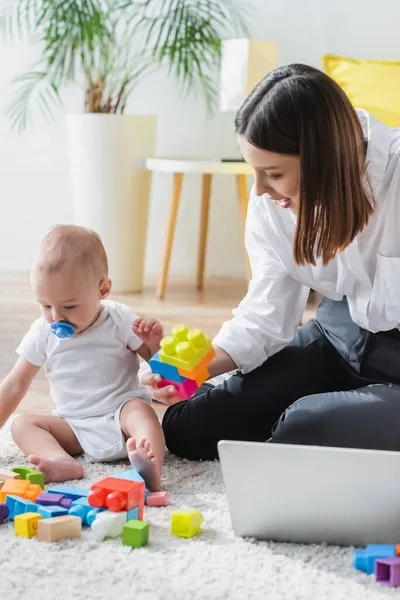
(206, 169)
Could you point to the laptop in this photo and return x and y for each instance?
(312, 494)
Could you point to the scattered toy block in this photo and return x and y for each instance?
(131, 475)
(4, 475)
(186, 523)
(135, 534)
(32, 475)
(184, 390)
(19, 487)
(26, 525)
(4, 512)
(200, 373)
(117, 495)
(397, 549)
(157, 499)
(69, 491)
(364, 560)
(46, 499)
(184, 349)
(158, 367)
(59, 528)
(49, 512)
(92, 515)
(133, 514)
(80, 508)
(387, 571)
(66, 502)
(108, 524)
(19, 506)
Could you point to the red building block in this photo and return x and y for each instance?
(117, 495)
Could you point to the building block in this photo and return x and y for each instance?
(19, 506)
(59, 528)
(135, 534)
(364, 560)
(157, 499)
(133, 514)
(32, 475)
(164, 369)
(92, 515)
(387, 571)
(131, 475)
(48, 512)
(69, 491)
(80, 508)
(184, 349)
(186, 523)
(184, 390)
(200, 373)
(46, 499)
(109, 524)
(66, 502)
(117, 495)
(4, 475)
(19, 487)
(26, 525)
(4, 512)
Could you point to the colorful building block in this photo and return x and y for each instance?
(19, 506)
(184, 390)
(92, 515)
(186, 523)
(157, 499)
(4, 512)
(80, 508)
(32, 475)
(19, 487)
(49, 512)
(26, 525)
(131, 475)
(59, 528)
(364, 560)
(135, 534)
(133, 514)
(117, 495)
(69, 491)
(387, 571)
(66, 502)
(200, 373)
(109, 524)
(46, 499)
(184, 349)
(164, 369)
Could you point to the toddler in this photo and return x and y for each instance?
(93, 375)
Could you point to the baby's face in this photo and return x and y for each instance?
(70, 297)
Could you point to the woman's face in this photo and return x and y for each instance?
(277, 175)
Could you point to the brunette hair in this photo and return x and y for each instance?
(299, 110)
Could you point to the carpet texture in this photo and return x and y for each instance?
(213, 566)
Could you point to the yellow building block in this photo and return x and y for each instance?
(184, 349)
(186, 523)
(200, 373)
(26, 525)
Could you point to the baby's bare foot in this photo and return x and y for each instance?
(145, 463)
(58, 468)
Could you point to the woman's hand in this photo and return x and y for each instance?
(165, 395)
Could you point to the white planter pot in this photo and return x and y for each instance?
(111, 189)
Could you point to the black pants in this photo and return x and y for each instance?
(334, 385)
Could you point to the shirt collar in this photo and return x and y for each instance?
(379, 137)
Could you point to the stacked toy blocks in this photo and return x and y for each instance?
(183, 360)
(381, 559)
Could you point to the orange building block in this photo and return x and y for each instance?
(21, 488)
(200, 373)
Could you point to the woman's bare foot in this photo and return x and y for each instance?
(145, 463)
(58, 468)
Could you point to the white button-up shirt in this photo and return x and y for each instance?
(367, 271)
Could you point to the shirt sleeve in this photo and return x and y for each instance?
(267, 318)
(124, 317)
(33, 347)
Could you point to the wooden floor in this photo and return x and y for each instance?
(183, 304)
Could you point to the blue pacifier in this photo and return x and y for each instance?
(62, 330)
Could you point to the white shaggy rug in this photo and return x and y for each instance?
(213, 566)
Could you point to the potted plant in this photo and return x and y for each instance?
(107, 47)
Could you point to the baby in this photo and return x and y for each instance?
(93, 375)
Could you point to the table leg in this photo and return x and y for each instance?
(243, 198)
(205, 209)
(173, 214)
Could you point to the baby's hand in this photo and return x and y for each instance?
(150, 331)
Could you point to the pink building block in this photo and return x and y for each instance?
(387, 571)
(157, 499)
(185, 390)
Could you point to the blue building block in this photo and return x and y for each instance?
(164, 369)
(48, 512)
(69, 491)
(19, 506)
(133, 514)
(131, 475)
(92, 514)
(80, 508)
(364, 560)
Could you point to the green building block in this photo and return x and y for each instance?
(135, 534)
(186, 523)
(31, 475)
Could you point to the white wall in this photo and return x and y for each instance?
(35, 190)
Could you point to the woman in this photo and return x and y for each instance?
(324, 214)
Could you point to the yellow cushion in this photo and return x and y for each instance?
(370, 84)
